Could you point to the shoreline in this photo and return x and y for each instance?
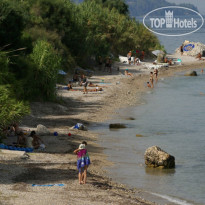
(123, 92)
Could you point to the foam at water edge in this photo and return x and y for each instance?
(171, 199)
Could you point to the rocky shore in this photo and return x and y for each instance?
(57, 164)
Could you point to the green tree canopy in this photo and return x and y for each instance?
(119, 5)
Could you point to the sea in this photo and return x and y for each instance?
(171, 43)
(171, 116)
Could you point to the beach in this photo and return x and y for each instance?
(57, 165)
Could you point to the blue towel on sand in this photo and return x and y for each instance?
(47, 185)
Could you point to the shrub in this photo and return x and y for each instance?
(11, 110)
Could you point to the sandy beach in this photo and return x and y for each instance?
(57, 164)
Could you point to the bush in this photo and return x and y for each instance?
(11, 110)
(47, 63)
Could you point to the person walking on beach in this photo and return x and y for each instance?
(151, 79)
(156, 74)
(142, 55)
(106, 65)
(129, 57)
(83, 161)
(84, 83)
(182, 49)
(110, 65)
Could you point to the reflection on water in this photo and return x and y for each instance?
(172, 119)
(159, 171)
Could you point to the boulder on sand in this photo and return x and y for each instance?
(116, 126)
(191, 73)
(42, 130)
(156, 157)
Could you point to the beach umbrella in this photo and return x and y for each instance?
(157, 52)
(61, 72)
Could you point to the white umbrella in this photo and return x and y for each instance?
(157, 52)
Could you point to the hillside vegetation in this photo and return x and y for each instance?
(39, 37)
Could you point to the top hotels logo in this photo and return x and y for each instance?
(173, 21)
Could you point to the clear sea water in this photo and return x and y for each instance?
(173, 118)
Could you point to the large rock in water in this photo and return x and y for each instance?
(117, 126)
(191, 73)
(156, 157)
(192, 49)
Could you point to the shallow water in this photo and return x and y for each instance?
(172, 118)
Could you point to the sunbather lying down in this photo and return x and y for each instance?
(93, 85)
(95, 89)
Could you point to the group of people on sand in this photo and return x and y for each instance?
(11, 130)
(81, 79)
(32, 141)
(107, 61)
(137, 58)
(150, 83)
(84, 82)
(198, 56)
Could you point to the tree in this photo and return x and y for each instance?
(119, 5)
(11, 24)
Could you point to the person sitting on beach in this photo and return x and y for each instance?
(21, 140)
(70, 85)
(37, 142)
(199, 56)
(148, 85)
(16, 128)
(127, 73)
(83, 161)
(29, 141)
(136, 61)
(169, 61)
(8, 131)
